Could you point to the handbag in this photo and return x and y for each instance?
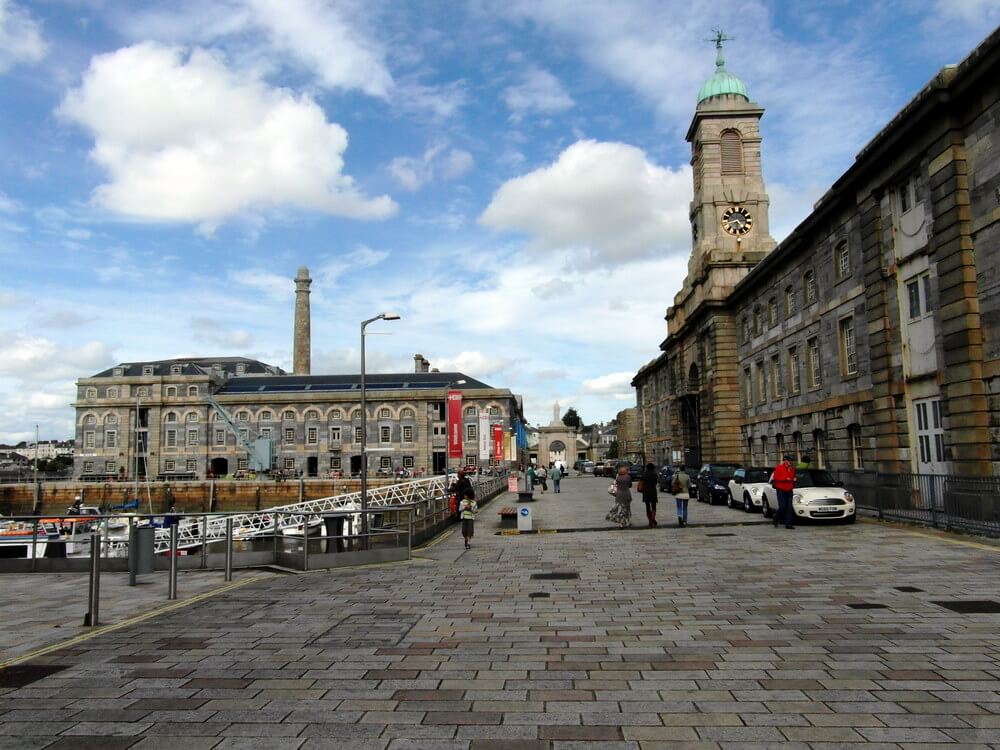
(613, 489)
(638, 486)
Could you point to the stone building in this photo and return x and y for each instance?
(158, 419)
(870, 337)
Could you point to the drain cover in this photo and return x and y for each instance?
(568, 576)
(908, 589)
(969, 606)
(368, 630)
(24, 674)
(726, 534)
(538, 595)
(866, 605)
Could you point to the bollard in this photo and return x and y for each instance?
(172, 575)
(92, 617)
(305, 543)
(229, 548)
(132, 561)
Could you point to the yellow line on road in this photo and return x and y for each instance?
(100, 630)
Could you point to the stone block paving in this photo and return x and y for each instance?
(669, 638)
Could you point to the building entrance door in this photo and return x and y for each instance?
(220, 467)
(355, 466)
(312, 466)
(690, 413)
(930, 436)
(440, 462)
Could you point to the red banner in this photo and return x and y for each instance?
(454, 424)
(498, 443)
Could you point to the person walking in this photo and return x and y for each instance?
(648, 489)
(783, 481)
(555, 474)
(622, 512)
(532, 477)
(467, 510)
(543, 477)
(680, 489)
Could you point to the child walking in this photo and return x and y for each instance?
(467, 510)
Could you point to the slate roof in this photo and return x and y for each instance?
(191, 366)
(350, 383)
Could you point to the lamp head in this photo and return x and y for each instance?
(389, 316)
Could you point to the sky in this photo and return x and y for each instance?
(509, 176)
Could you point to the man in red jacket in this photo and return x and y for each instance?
(783, 481)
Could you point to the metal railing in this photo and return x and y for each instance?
(965, 503)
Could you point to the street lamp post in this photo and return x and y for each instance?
(364, 427)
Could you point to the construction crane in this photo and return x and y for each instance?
(260, 451)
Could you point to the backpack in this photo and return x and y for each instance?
(675, 486)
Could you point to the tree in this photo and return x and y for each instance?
(572, 419)
(613, 449)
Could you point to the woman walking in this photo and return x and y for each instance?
(648, 482)
(622, 512)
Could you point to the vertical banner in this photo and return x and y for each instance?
(498, 443)
(454, 424)
(485, 437)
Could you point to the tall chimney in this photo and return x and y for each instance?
(418, 360)
(301, 345)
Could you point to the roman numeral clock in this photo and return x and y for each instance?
(737, 221)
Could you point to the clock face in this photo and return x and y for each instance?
(737, 220)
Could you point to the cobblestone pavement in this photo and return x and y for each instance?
(704, 637)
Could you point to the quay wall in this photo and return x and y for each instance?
(189, 497)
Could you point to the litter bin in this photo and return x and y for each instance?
(140, 550)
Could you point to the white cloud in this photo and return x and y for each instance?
(359, 259)
(37, 358)
(276, 287)
(21, 41)
(186, 139)
(7, 204)
(473, 363)
(540, 92)
(612, 384)
(437, 161)
(607, 197)
(982, 14)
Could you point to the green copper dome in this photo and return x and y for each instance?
(722, 81)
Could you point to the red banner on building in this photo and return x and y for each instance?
(454, 424)
(498, 443)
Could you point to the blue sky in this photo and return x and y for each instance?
(511, 177)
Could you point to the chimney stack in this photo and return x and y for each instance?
(420, 364)
(302, 343)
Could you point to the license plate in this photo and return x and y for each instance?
(828, 509)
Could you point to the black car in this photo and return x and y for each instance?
(713, 482)
(665, 478)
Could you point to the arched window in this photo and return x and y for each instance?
(112, 392)
(384, 414)
(266, 416)
(171, 390)
(819, 443)
(243, 416)
(756, 322)
(731, 145)
(90, 419)
(857, 451)
(406, 414)
(312, 415)
(772, 312)
(111, 419)
(789, 300)
(842, 260)
(336, 414)
(289, 414)
(809, 287)
(91, 393)
(192, 390)
(192, 416)
(471, 411)
(170, 417)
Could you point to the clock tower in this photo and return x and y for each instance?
(730, 235)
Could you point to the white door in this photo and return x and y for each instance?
(930, 436)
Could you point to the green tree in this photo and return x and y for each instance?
(613, 449)
(572, 419)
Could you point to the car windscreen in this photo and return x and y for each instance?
(724, 472)
(814, 478)
(757, 476)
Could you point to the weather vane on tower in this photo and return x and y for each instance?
(719, 38)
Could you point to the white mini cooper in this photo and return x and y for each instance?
(746, 489)
(817, 496)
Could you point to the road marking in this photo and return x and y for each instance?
(101, 629)
(942, 536)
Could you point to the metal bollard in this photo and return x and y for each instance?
(229, 548)
(172, 574)
(92, 617)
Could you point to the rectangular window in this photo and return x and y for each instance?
(334, 462)
(779, 447)
(407, 434)
(751, 454)
(407, 462)
(171, 440)
(747, 387)
(918, 295)
(88, 440)
(843, 260)
(170, 465)
(385, 435)
(245, 434)
(111, 439)
(192, 438)
(289, 464)
(772, 312)
(794, 380)
(334, 434)
(242, 464)
(289, 434)
(913, 295)
(191, 465)
(312, 436)
(265, 432)
(385, 462)
(357, 434)
(763, 447)
(810, 287)
(775, 377)
(471, 432)
(440, 430)
(761, 383)
(789, 301)
(220, 437)
(815, 372)
(88, 467)
(495, 411)
(110, 467)
(472, 460)
(857, 453)
(848, 350)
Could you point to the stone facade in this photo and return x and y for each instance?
(313, 421)
(870, 338)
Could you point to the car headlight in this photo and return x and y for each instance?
(849, 497)
(720, 487)
(755, 491)
(797, 497)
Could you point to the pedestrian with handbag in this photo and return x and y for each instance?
(647, 486)
(783, 481)
(621, 513)
(680, 489)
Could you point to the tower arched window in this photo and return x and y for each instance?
(731, 146)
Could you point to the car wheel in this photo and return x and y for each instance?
(766, 508)
(747, 503)
(729, 500)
